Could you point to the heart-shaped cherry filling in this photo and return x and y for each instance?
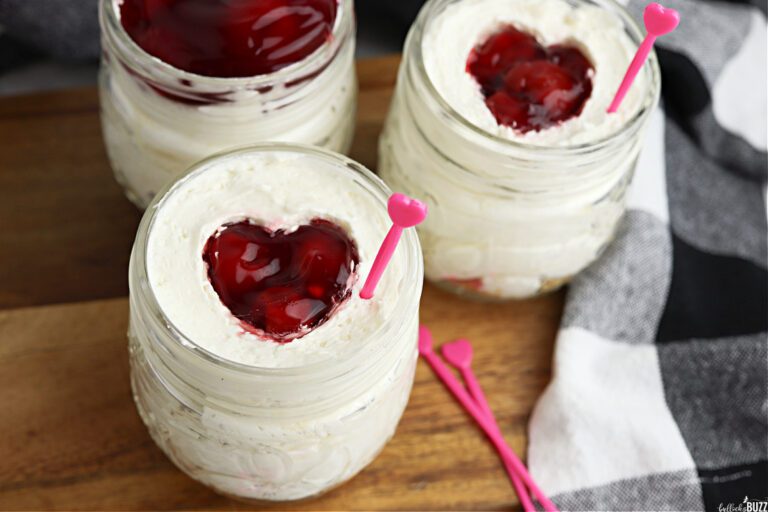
(528, 86)
(232, 38)
(278, 283)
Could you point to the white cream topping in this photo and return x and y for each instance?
(451, 36)
(278, 191)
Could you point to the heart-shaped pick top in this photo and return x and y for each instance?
(281, 283)
(406, 212)
(458, 353)
(659, 21)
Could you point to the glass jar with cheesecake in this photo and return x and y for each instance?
(256, 365)
(499, 123)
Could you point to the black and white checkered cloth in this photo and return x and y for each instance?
(659, 396)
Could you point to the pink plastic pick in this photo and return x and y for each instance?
(405, 213)
(442, 371)
(459, 354)
(658, 21)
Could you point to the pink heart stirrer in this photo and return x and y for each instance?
(459, 354)
(658, 21)
(442, 371)
(405, 213)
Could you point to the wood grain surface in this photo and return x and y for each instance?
(70, 437)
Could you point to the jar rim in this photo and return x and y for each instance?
(413, 261)
(113, 31)
(414, 46)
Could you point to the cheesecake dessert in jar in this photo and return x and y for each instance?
(255, 364)
(183, 79)
(499, 124)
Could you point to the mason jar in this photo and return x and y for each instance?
(273, 433)
(507, 220)
(157, 120)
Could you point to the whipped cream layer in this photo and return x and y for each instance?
(274, 453)
(599, 34)
(279, 191)
(493, 242)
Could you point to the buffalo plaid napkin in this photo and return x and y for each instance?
(659, 396)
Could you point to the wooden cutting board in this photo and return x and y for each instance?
(70, 437)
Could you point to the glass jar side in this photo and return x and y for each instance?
(158, 120)
(250, 455)
(494, 243)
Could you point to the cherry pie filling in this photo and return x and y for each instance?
(226, 38)
(528, 86)
(281, 284)
(229, 38)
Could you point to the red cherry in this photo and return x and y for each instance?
(154, 8)
(277, 33)
(544, 83)
(507, 109)
(278, 283)
(319, 257)
(315, 290)
(243, 258)
(571, 60)
(284, 311)
(535, 80)
(493, 57)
